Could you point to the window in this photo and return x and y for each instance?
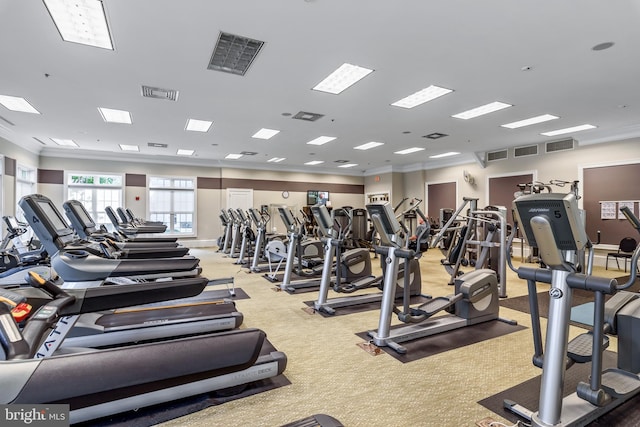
(96, 191)
(173, 201)
(25, 184)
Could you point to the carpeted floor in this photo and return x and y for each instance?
(331, 374)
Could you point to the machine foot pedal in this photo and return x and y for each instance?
(619, 383)
(580, 348)
(438, 304)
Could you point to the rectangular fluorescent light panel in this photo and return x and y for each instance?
(482, 110)
(81, 21)
(265, 133)
(425, 95)
(276, 159)
(65, 142)
(568, 130)
(368, 145)
(449, 154)
(321, 140)
(184, 152)
(125, 147)
(348, 165)
(233, 156)
(314, 162)
(528, 122)
(409, 150)
(346, 75)
(115, 116)
(198, 125)
(15, 103)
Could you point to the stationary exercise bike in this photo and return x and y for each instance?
(552, 223)
(475, 299)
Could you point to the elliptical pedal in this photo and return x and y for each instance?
(580, 348)
(437, 304)
(619, 383)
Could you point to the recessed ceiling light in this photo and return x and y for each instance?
(346, 75)
(482, 110)
(368, 145)
(65, 142)
(568, 130)
(15, 103)
(233, 156)
(115, 116)
(265, 133)
(532, 121)
(449, 154)
(321, 140)
(276, 159)
(425, 95)
(348, 165)
(125, 147)
(409, 150)
(81, 21)
(314, 162)
(185, 152)
(198, 125)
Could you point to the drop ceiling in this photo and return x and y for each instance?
(537, 56)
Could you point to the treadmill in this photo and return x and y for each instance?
(87, 229)
(81, 263)
(101, 245)
(101, 382)
(126, 216)
(130, 229)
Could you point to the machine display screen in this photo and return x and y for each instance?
(323, 218)
(387, 218)
(53, 216)
(287, 218)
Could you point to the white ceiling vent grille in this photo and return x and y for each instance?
(234, 54)
(561, 145)
(310, 117)
(156, 92)
(492, 156)
(530, 150)
(157, 145)
(39, 140)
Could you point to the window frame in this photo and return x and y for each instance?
(173, 188)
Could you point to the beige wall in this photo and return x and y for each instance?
(565, 165)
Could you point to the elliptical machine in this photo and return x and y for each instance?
(475, 299)
(552, 223)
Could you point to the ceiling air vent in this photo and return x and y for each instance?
(234, 54)
(310, 117)
(248, 153)
(435, 135)
(157, 145)
(40, 141)
(156, 92)
(563, 144)
(530, 150)
(497, 155)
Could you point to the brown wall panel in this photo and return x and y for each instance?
(440, 196)
(9, 166)
(48, 176)
(610, 183)
(501, 191)
(268, 185)
(135, 180)
(209, 183)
